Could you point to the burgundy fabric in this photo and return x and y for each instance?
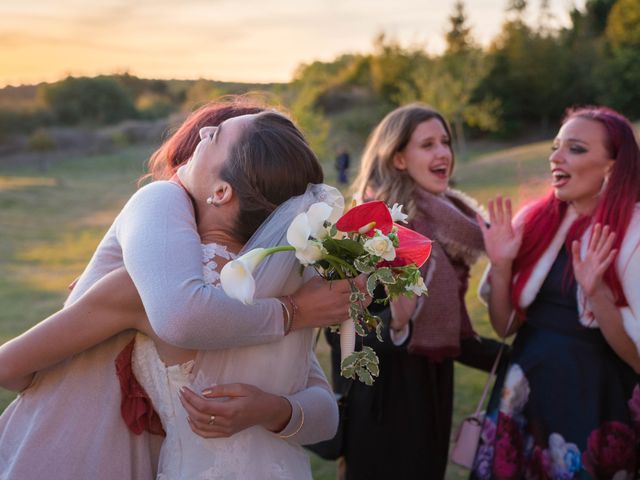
(442, 320)
(135, 407)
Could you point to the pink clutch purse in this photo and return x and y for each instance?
(468, 436)
(466, 443)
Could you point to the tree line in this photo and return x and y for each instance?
(521, 82)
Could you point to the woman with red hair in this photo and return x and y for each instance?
(568, 266)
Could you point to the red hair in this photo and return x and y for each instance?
(615, 207)
(179, 147)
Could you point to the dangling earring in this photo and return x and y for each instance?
(211, 201)
(603, 187)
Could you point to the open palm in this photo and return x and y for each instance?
(502, 241)
(599, 255)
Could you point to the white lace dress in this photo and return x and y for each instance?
(280, 367)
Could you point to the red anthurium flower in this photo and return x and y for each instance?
(413, 248)
(364, 215)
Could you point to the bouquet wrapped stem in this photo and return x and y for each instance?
(347, 339)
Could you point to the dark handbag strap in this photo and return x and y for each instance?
(496, 362)
(315, 343)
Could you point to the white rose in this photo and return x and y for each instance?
(381, 246)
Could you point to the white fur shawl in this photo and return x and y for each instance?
(627, 267)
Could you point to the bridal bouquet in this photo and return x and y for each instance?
(364, 240)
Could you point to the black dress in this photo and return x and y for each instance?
(565, 406)
(400, 426)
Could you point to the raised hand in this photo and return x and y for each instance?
(502, 242)
(600, 253)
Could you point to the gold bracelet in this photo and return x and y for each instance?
(289, 322)
(294, 310)
(299, 426)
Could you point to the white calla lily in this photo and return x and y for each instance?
(304, 231)
(310, 254)
(317, 214)
(397, 215)
(236, 277)
(299, 231)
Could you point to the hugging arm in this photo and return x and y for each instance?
(162, 249)
(103, 311)
(162, 252)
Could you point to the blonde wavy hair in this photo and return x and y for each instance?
(378, 176)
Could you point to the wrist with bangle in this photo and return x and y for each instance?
(297, 430)
(290, 312)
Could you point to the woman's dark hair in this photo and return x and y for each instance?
(269, 163)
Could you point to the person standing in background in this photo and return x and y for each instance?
(400, 427)
(342, 165)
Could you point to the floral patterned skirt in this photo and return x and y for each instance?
(566, 406)
(561, 418)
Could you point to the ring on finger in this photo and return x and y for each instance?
(212, 418)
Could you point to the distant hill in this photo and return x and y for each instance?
(23, 96)
(26, 96)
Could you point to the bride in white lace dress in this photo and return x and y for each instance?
(279, 368)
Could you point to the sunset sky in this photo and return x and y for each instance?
(236, 40)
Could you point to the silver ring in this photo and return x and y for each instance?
(212, 418)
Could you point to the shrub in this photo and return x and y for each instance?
(41, 141)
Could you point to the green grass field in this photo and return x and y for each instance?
(52, 220)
